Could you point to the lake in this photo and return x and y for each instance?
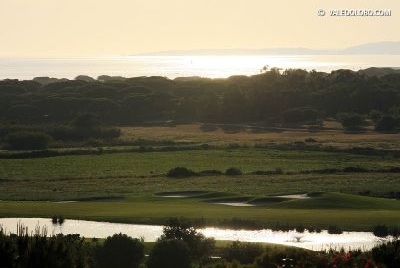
(179, 66)
(150, 233)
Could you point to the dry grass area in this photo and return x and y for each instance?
(193, 133)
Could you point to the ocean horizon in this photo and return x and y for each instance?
(184, 66)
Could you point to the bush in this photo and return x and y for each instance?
(354, 169)
(395, 232)
(233, 172)
(169, 254)
(334, 230)
(310, 140)
(245, 253)
(121, 251)
(352, 121)
(387, 254)
(386, 124)
(28, 140)
(109, 133)
(58, 220)
(180, 172)
(37, 250)
(200, 247)
(300, 228)
(381, 231)
(68, 133)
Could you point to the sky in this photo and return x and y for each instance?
(86, 28)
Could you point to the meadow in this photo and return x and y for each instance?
(345, 188)
(331, 135)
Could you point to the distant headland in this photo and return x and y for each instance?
(384, 48)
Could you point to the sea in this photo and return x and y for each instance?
(184, 66)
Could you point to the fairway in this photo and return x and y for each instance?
(124, 186)
(156, 210)
(133, 164)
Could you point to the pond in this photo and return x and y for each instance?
(150, 233)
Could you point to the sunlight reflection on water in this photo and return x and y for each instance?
(150, 233)
(179, 66)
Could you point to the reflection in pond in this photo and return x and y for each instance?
(235, 204)
(313, 241)
(294, 196)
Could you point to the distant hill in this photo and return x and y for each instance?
(375, 48)
(227, 52)
(382, 48)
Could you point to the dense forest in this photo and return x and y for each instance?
(271, 97)
(75, 109)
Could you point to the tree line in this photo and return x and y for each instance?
(43, 109)
(272, 97)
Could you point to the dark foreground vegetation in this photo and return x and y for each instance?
(180, 246)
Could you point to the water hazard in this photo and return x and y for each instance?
(150, 233)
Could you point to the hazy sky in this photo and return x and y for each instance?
(61, 28)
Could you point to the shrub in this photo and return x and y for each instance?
(386, 124)
(61, 220)
(334, 230)
(352, 121)
(310, 140)
(381, 231)
(300, 229)
(200, 247)
(233, 171)
(28, 140)
(62, 133)
(68, 133)
(37, 250)
(387, 254)
(395, 232)
(354, 169)
(120, 251)
(58, 220)
(245, 253)
(109, 133)
(180, 172)
(169, 254)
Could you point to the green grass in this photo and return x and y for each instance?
(125, 174)
(341, 201)
(157, 210)
(259, 186)
(146, 164)
(122, 187)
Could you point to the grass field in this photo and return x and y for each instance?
(158, 163)
(123, 186)
(157, 209)
(193, 133)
